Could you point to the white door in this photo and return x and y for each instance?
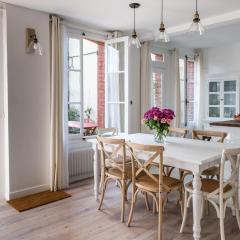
(116, 85)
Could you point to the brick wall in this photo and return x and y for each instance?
(101, 85)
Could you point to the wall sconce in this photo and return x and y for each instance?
(32, 44)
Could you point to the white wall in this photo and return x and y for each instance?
(29, 104)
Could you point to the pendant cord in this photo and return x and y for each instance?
(134, 20)
(196, 5)
(162, 12)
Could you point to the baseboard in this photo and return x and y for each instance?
(28, 191)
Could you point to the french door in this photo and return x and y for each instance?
(116, 84)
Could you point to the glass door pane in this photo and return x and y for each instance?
(214, 99)
(115, 88)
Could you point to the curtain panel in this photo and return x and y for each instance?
(59, 152)
(145, 81)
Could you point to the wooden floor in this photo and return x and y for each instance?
(76, 218)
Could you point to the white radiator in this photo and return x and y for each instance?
(80, 164)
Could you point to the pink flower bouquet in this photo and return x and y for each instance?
(159, 120)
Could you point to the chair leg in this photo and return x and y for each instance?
(154, 206)
(123, 190)
(103, 193)
(184, 211)
(160, 221)
(146, 201)
(236, 206)
(134, 198)
(222, 228)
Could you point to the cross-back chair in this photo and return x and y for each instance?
(107, 132)
(217, 192)
(116, 166)
(178, 132)
(143, 180)
(206, 135)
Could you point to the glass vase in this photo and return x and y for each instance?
(160, 137)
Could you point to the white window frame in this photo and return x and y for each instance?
(126, 83)
(81, 103)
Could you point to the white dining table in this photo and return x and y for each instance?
(193, 155)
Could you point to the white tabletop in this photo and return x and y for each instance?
(189, 154)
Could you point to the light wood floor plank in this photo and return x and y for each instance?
(76, 218)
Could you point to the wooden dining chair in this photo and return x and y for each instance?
(178, 132)
(209, 136)
(107, 132)
(143, 180)
(217, 192)
(174, 132)
(116, 166)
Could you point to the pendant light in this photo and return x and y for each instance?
(161, 34)
(134, 40)
(196, 26)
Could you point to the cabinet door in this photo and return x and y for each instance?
(116, 87)
(229, 98)
(214, 96)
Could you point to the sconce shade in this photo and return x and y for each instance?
(32, 44)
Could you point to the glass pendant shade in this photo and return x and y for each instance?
(161, 35)
(134, 41)
(196, 27)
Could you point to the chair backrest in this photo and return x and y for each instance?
(108, 132)
(110, 150)
(209, 135)
(233, 157)
(154, 154)
(178, 132)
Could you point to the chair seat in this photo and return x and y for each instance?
(146, 183)
(208, 186)
(115, 172)
(213, 171)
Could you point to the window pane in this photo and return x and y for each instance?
(190, 71)
(157, 57)
(74, 53)
(89, 46)
(182, 90)
(181, 68)
(90, 82)
(229, 112)
(190, 111)
(230, 99)
(214, 87)
(74, 87)
(214, 112)
(214, 99)
(229, 86)
(116, 116)
(116, 87)
(115, 57)
(157, 89)
(74, 118)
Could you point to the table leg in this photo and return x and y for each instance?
(197, 206)
(96, 172)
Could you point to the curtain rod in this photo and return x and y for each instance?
(85, 29)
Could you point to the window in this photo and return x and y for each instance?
(158, 65)
(116, 84)
(187, 90)
(85, 84)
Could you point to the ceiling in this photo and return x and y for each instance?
(109, 15)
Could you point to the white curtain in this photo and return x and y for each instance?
(176, 80)
(199, 89)
(59, 151)
(145, 81)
